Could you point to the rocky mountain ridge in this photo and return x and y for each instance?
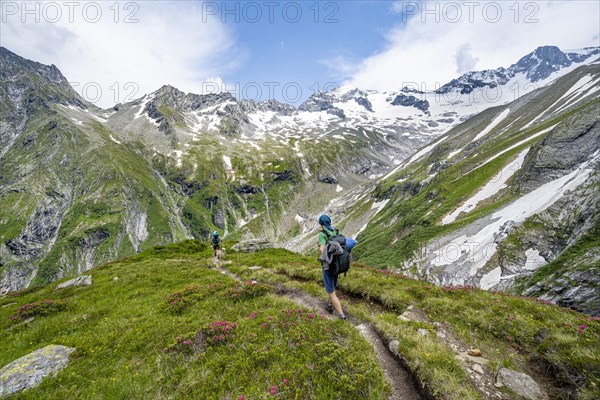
(80, 185)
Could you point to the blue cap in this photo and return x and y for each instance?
(324, 220)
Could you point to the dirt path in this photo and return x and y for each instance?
(403, 387)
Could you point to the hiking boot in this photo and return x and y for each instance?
(329, 308)
(343, 316)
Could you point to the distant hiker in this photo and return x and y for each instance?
(216, 244)
(334, 259)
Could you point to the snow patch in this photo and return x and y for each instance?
(579, 87)
(152, 121)
(227, 162)
(415, 157)
(492, 125)
(491, 278)
(339, 188)
(114, 140)
(142, 106)
(453, 153)
(496, 184)
(534, 260)
(178, 157)
(581, 92)
(514, 146)
(100, 118)
(379, 206)
(481, 246)
(361, 229)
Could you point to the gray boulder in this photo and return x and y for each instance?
(395, 347)
(520, 383)
(29, 371)
(82, 280)
(252, 245)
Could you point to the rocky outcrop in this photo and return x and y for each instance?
(338, 112)
(83, 280)
(330, 179)
(136, 225)
(363, 101)
(218, 217)
(252, 245)
(573, 289)
(41, 228)
(29, 371)
(411, 101)
(33, 243)
(247, 189)
(522, 384)
(568, 146)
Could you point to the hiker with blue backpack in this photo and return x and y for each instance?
(335, 259)
(216, 244)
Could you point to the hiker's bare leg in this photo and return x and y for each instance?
(333, 299)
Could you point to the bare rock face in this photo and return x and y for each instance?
(568, 146)
(29, 371)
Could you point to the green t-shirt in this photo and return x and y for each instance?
(322, 238)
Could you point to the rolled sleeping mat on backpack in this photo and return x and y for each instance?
(350, 243)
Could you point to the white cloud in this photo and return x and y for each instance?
(438, 39)
(170, 44)
(465, 61)
(340, 66)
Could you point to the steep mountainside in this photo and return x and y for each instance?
(80, 186)
(508, 200)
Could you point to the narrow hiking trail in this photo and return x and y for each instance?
(403, 386)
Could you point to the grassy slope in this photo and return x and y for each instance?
(512, 332)
(122, 327)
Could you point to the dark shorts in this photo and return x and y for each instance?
(216, 247)
(329, 281)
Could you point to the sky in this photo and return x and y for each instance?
(115, 52)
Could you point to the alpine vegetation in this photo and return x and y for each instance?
(176, 246)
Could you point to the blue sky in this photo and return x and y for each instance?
(126, 49)
(286, 52)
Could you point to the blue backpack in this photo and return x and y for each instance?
(350, 243)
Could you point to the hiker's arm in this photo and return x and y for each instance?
(321, 248)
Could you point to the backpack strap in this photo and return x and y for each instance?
(337, 232)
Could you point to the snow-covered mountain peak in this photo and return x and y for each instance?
(542, 62)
